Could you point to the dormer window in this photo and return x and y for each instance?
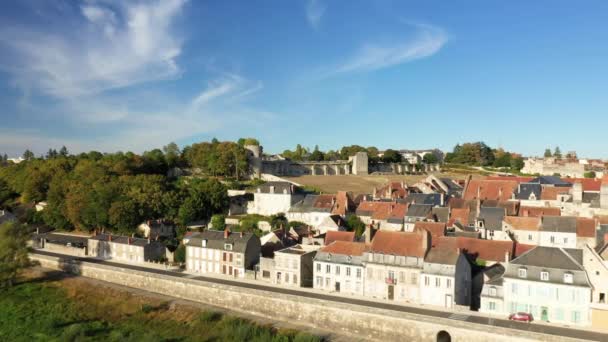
(522, 272)
(228, 246)
(349, 258)
(568, 278)
(544, 276)
(328, 257)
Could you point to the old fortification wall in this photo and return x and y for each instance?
(354, 320)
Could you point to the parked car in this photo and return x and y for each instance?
(521, 317)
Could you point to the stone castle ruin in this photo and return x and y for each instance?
(357, 165)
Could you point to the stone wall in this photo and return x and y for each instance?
(360, 322)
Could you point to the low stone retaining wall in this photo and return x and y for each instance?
(358, 321)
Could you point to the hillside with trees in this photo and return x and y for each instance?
(480, 154)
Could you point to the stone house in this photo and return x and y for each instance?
(393, 264)
(62, 243)
(437, 277)
(597, 271)
(293, 266)
(339, 267)
(125, 248)
(223, 252)
(523, 229)
(386, 215)
(157, 228)
(551, 284)
(492, 297)
(558, 231)
(275, 197)
(489, 224)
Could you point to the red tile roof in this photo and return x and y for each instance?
(332, 236)
(384, 210)
(585, 227)
(344, 204)
(461, 215)
(589, 184)
(549, 193)
(325, 201)
(521, 249)
(345, 248)
(602, 219)
(507, 178)
(489, 250)
(437, 229)
(539, 211)
(500, 190)
(531, 223)
(392, 190)
(399, 243)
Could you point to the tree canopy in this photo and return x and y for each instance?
(13, 252)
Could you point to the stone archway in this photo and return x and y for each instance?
(444, 336)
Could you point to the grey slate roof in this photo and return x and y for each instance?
(555, 261)
(419, 210)
(444, 256)
(494, 272)
(61, 239)
(559, 224)
(527, 189)
(441, 213)
(279, 188)
(307, 205)
(550, 180)
(432, 199)
(492, 217)
(215, 240)
(356, 260)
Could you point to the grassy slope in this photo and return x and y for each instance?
(42, 311)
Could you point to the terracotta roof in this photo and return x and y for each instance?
(521, 249)
(602, 219)
(501, 190)
(508, 178)
(589, 184)
(382, 210)
(332, 236)
(392, 190)
(345, 248)
(436, 229)
(489, 250)
(585, 227)
(461, 215)
(539, 211)
(344, 204)
(549, 193)
(399, 243)
(523, 223)
(324, 201)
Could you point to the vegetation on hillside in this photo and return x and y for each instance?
(480, 154)
(13, 252)
(43, 312)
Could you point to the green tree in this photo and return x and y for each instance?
(218, 222)
(354, 224)
(28, 155)
(557, 153)
(13, 252)
(124, 216)
(517, 163)
(590, 174)
(180, 254)
(248, 141)
(64, 151)
(279, 220)
(172, 154)
(5, 193)
(430, 158)
(548, 153)
(316, 155)
(392, 156)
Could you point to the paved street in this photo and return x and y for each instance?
(539, 328)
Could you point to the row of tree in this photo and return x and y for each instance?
(480, 154)
(389, 156)
(116, 190)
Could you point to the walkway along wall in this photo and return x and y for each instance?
(349, 319)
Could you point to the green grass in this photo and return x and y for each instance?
(41, 312)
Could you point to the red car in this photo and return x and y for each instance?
(521, 317)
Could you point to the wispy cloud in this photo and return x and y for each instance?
(118, 44)
(427, 41)
(315, 10)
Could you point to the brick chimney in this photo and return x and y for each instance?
(226, 232)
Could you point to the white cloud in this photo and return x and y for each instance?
(428, 41)
(102, 53)
(315, 10)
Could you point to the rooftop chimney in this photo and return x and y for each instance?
(368, 234)
(110, 237)
(507, 257)
(241, 234)
(226, 232)
(500, 193)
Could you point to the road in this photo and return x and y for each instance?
(538, 328)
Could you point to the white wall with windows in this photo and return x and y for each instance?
(336, 277)
(437, 290)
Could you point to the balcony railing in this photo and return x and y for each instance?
(391, 281)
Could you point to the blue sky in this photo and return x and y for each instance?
(117, 75)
